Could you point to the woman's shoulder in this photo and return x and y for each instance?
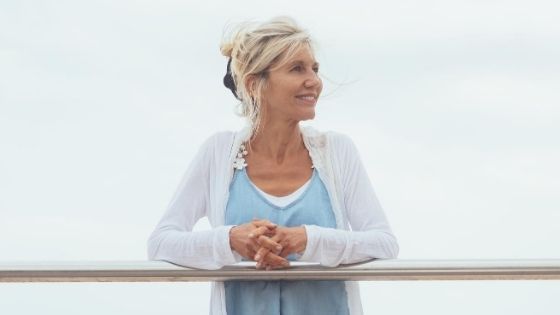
(323, 139)
(218, 141)
(219, 138)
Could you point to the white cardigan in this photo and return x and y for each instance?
(362, 230)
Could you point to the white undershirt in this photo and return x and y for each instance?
(283, 200)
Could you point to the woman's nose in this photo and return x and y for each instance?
(312, 80)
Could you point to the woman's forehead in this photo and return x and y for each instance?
(303, 54)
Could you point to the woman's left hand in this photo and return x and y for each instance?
(292, 240)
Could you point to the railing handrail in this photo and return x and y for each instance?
(375, 270)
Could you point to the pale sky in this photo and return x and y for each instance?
(454, 106)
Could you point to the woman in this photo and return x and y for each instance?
(275, 192)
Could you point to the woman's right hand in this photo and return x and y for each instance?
(246, 239)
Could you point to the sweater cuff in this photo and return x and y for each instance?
(311, 248)
(228, 255)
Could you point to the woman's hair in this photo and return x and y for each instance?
(254, 49)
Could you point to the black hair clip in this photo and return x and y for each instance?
(228, 80)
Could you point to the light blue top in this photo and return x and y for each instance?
(313, 207)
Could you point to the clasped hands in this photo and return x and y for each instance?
(267, 243)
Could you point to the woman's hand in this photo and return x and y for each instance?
(291, 239)
(247, 238)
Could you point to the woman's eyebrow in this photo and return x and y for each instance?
(302, 62)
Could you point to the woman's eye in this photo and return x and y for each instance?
(297, 68)
(316, 69)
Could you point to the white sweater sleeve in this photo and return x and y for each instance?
(173, 239)
(371, 235)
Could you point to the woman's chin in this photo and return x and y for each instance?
(307, 116)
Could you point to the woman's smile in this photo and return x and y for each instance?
(307, 99)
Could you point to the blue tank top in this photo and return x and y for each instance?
(313, 207)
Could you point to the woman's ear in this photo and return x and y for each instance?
(250, 84)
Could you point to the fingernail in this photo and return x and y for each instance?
(251, 234)
(257, 257)
(278, 247)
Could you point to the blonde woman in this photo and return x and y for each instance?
(275, 192)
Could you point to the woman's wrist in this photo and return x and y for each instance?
(231, 236)
(302, 239)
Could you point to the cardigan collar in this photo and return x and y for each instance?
(314, 141)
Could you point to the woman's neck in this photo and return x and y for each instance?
(277, 140)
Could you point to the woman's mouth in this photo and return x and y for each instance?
(308, 99)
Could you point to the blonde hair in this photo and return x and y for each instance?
(254, 49)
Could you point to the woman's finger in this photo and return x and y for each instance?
(261, 222)
(262, 230)
(285, 251)
(270, 266)
(275, 261)
(267, 242)
(253, 246)
(261, 254)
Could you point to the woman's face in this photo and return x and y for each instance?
(293, 89)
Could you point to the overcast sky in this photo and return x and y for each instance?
(454, 106)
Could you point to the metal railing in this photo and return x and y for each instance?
(376, 270)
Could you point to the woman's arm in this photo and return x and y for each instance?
(371, 235)
(173, 239)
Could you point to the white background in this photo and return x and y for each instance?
(454, 106)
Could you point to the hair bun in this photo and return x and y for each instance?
(226, 49)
